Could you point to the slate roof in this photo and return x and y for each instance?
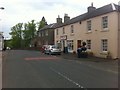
(50, 26)
(97, 12)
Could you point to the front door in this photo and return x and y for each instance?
(78, 43)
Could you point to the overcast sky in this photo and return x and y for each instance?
(22, 11)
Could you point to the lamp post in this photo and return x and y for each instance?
(1, 35)
(2, 8)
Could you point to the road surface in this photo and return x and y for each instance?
(32, 69)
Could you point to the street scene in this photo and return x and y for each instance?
(60, 44)
(33, 69)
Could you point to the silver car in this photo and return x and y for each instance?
(52, 49)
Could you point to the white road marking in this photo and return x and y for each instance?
(70, 80)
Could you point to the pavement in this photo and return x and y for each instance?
(95, 62)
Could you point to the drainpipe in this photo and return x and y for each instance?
(119, 29)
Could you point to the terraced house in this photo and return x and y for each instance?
(98, 27)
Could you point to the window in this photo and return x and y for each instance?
(57, 32)
(72, 29)
(104, 45)
(70, 45)
(42, 33)
(39, 34)
(88, 44)
(105, 22)
(63, 30)
(89, 25)
(46, 33)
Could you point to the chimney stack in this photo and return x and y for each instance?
(59, 20)
(66, 18)
(91, 8)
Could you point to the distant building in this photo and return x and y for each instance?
(98, 27)
(1, 41)
(45, 36)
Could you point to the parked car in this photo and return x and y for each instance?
(52, 49)
(44, 47)
(8, 48)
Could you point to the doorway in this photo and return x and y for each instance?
(78, 43)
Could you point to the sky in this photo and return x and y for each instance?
(23, 11)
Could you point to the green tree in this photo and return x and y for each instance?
(29, 32)
(23, 34)
(16, 33)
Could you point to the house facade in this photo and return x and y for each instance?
(45, 36)
(99, 28)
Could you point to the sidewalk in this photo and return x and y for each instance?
(92, 59)
(99, 63)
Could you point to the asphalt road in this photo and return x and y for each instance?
(31, 69)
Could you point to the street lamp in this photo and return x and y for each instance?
(2, 38)
(2, 8)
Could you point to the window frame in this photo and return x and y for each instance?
(89, 25)
(88, 44)
(72, 28)
(104, 45)
(63, 30)
(46, 32)
(105, 22)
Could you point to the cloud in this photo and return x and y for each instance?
(26, 10)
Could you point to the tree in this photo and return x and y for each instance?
(23, 34)
(16, 33)
(29, 32)
(42, 23)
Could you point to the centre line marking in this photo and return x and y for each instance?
(70, 80)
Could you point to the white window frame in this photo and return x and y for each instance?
(72, 28)
(105, 23)
(70, 44)
(89, 26)
(89, 44)
(104, 45)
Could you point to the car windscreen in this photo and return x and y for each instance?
(54, 46)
